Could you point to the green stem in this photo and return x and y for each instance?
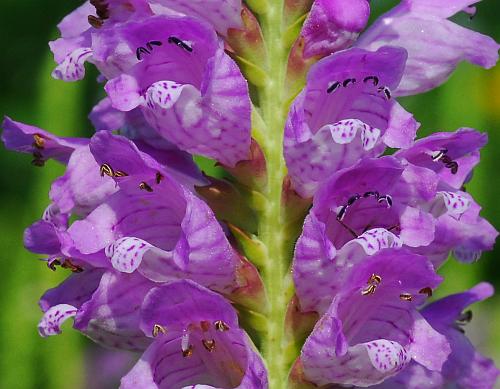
(272, 232)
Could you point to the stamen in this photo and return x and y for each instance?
(372, 282)
(187, 349)
(353, 199)
(181, 44)
(140, 51)
(39, 141)
(150, 44)
(348, 81)
(386, 91)
(332, 88)
(95, 21)
(221, 326)
(406, 297)
(205, 325)
(427, 290)
(464, 318)
(373, 78)
(209, 345)
(67, 264)
(188, 352)
(158, 329)
(119, 174)
(159, 177)
(53, 263)
(106, 169)
(371, 194)
(387, 199)
(442, 156)
(145, 186)
(38, 159)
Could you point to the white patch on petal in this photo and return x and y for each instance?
(53, 319)
(377, 239)
(387, 356)
(345, 131)
(72, 68)
(126, 253)
(163, 94)
(369, 137)
(456, 204)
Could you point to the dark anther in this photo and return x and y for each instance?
(386, 91)
(387, 199)
(150, 44)
(106, 169)
(205, 325)
(39, 141)
(221, 326)
(373, 78)
(405, 297)
(371, 194)
(353, 199)
(348, 81)
(188, 352)
(181, 44)
(119, 174)
(53, 263)
(140, 51)
(332, 88)
(209, 345)
(146, 187)
(464, 318)
(158, 329)
(95, 21)
(442, 156)
(67, 264)
(159, 177)
(341, 213)
(38, 159)
(427, 290)
(102, 8)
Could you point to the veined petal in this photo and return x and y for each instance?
(222, 14)
(72, 68)
(43, 145)
(54, 317)
(435, 45)
(333, 25)
(189, 90)
(199, 341)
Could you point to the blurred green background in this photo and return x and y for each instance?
(471, 98)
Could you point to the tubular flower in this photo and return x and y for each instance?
(307, 260)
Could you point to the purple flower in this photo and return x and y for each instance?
(197, 340)
(435, 44)
(372, 328)
(465, 367)
(344, 114)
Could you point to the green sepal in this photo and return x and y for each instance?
(250, 245)
(294, 10)
(258, 6)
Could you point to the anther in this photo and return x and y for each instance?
(176, 41)
(372, 282)
(427, 290)
(38, 159)
(371, 194)
(39, 141)
(106, 169)
(95, 21)
(221, 326)
(370, 289)
(145, 186)
(436, 156)
(406, 297)
(150, 44)
(348, 81)
(375, 278)
(353, 199)
(205, 325)
(67, 264)
(140, 51)
(373, 78)
(386, 91)
(464, 318)
(209, 345)
(119, 173)
(158, 329)
(387, 199)
(159, 177)
(188, 352)
(332, 88)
